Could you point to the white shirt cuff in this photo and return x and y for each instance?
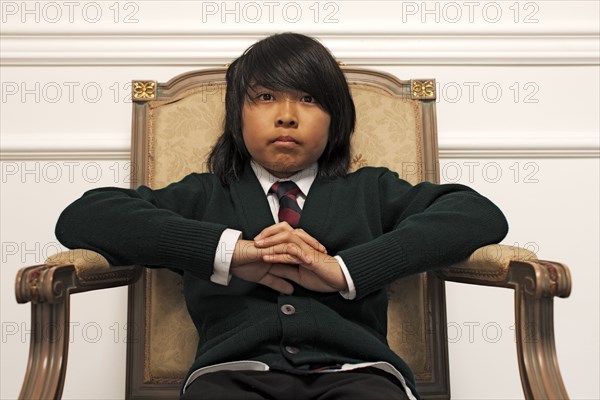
(223, 256)
(349, 294)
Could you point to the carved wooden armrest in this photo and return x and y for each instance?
(48, 287)
(535, 282)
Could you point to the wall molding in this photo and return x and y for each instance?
(359, 50)
(511, 147)
(111, 147)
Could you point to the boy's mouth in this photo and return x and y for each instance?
(286, 139)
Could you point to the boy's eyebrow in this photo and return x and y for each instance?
(256, 87)
(253, 89)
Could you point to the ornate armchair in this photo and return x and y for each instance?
(174, 126)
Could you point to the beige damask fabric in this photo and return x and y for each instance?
(181, 135)
(388, 132)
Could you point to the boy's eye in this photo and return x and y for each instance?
(265, 97)
(307, 98)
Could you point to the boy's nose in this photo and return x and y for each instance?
(287, 118)
(286, 122)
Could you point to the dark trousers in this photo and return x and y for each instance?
(364, 383)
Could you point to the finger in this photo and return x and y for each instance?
(273, 229)
(283, 233)
(274, 237)
(298, 250)
(277, 283)
(286, 272)
(282, 236)
(311, 241)
(283, 258)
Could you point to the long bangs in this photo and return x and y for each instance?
(289, 63)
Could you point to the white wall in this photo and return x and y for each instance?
(517, 116)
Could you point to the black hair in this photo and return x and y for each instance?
(286, 61)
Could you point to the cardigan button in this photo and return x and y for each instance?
(292, 349)
(288, 309)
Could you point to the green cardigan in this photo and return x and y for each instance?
(382, 227)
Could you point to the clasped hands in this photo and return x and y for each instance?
(280, 254)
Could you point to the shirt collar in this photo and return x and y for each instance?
(304, 179)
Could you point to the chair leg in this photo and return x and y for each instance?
(534, 312)
(47, 364)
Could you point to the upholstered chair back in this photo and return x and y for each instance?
(174, 127)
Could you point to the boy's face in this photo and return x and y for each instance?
(284, 131)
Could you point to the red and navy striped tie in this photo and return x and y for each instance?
(289, 210)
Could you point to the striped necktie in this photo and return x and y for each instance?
(289, 210)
